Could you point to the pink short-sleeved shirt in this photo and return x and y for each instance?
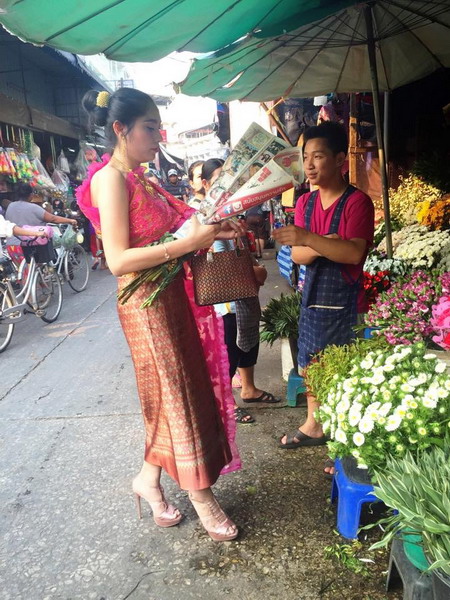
(357, 221)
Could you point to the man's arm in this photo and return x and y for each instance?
(302, 255)
(349, 252)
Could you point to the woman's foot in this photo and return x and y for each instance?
(164, 515)
(242, 416)
(328, 468)
(218, 525)
(236, 382)
(314, 437)
(264, 397)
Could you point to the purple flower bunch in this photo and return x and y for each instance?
(403, 313)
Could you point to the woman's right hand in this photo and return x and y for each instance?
(201, 236)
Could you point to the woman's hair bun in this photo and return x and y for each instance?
(98, 115)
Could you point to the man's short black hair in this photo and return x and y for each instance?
(333, 133)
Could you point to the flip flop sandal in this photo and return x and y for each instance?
(265, 397)
(329, 464)
(242, 416)
(298, 438)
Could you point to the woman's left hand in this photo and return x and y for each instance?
(229, 230)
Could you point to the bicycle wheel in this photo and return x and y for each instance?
(76, 268)
(47, 294)
(6, 327)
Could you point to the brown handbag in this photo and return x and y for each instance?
(223, 276)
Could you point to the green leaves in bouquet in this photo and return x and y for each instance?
(334, 362)
(279, 318)
(164, 273)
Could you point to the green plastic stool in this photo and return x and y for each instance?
(296, 385)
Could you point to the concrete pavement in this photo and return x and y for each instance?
(71, 439)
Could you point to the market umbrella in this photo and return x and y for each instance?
(378, 45)
(140, 30)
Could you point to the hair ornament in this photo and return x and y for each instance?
(102, 99)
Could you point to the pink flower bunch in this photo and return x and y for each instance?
(440, 320)
(403, 313)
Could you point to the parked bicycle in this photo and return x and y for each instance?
(40, 292)
(72, 263)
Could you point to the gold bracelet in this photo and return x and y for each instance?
(166, 253)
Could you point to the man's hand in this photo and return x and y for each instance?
(291, 236)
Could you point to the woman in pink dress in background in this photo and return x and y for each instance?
(177, 347)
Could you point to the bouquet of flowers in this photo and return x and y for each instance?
(410, 193)
(435, 214)
(260, 167)
(390, 402)
(378, 261)
(403, 313)
(419, 247)
(440, 320)
(374, 284)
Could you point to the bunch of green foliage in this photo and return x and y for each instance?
(335, 361)
(279, 318)
(417, 488)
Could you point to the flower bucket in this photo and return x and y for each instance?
(287, 364)
(368, 332)
(441, 585)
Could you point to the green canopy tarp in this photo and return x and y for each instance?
(143, 30)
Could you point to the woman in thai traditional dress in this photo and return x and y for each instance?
(177, 347)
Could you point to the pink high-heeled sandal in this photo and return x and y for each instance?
(210, 512)
(164, 514)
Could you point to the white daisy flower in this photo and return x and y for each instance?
(354, 418)
(385, 408)
(429, 356)
(441, 367)
(393, 422)
(358, 439)
(366, 425)
(340, 436)
(429, 403)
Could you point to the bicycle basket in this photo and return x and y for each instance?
(6, 267)
(42, 254)
(69, 238)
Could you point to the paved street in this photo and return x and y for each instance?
(71, 440)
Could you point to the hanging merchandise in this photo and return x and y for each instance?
(60, 180)
(63, 163)
(41, 175)
(81, 163)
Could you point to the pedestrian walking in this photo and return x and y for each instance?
(177, 348)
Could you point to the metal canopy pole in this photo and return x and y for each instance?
(376, 109)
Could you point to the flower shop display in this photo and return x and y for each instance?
(375, 284)
(417, 489)
(440, 319)
(420, 247)
(405, 199)
(378, 261)
(380, 272)
(435, 214)
(335, 362)
(393, 400)
(403, 313)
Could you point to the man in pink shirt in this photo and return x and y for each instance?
(333, 232)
